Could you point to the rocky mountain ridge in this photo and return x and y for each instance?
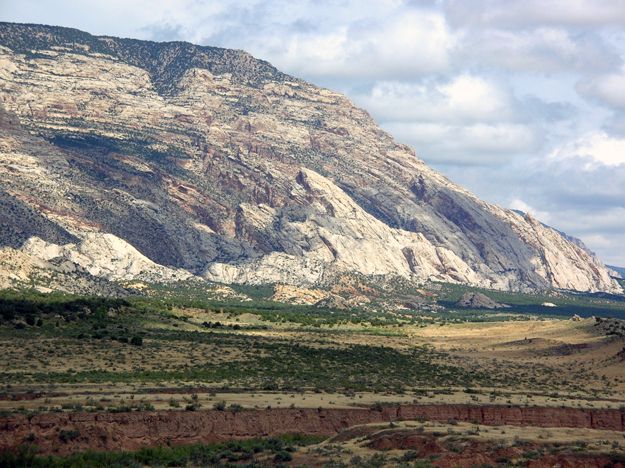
(620, 271)
(210, 161)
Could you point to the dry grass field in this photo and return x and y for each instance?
(540, 362)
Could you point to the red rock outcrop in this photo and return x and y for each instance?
(471, 452)
(128, 431)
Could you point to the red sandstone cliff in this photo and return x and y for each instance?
(128, 431)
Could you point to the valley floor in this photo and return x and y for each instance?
(135, 358)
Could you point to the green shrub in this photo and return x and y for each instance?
(68, 435)
(136, 341)
(282, 456)
(235, 407)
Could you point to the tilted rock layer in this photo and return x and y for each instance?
(209, 160)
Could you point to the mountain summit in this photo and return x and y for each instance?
(176, 159)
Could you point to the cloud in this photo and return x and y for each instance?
(466, 119)
(539, 50)
(608, 89)
(527, 13)
(351, 39)
(594, 148)
(474, 144)
(464, 98)
(396, 46)
(615, 125)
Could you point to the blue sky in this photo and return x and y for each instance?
(522, 102)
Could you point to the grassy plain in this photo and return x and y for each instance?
(63, 352)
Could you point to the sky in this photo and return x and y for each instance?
(520, 101)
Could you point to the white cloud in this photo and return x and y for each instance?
(474, 144)
(474, 96)
(404, 45)
(464, 98)
(351, 39)
(468, 120)
(523, 13)
(608, 89)
(539, 50)
(595, 148)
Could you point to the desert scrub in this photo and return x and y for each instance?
(187, 455)
(288, 366)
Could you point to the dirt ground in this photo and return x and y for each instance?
(464, 444)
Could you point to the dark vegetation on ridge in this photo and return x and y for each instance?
(166, 62)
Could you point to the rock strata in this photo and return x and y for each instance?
(211, 161)
(130, 431)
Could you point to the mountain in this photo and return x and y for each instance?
(619, 270)
(180, 157)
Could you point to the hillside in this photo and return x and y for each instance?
(619, 270)
(185, 160)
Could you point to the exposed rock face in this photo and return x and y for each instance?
(105, 256)
(210, 160)
(300, 296)
(617, 271)
(130, 431)
(19, 268)
(479, 301)
(473, 452)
